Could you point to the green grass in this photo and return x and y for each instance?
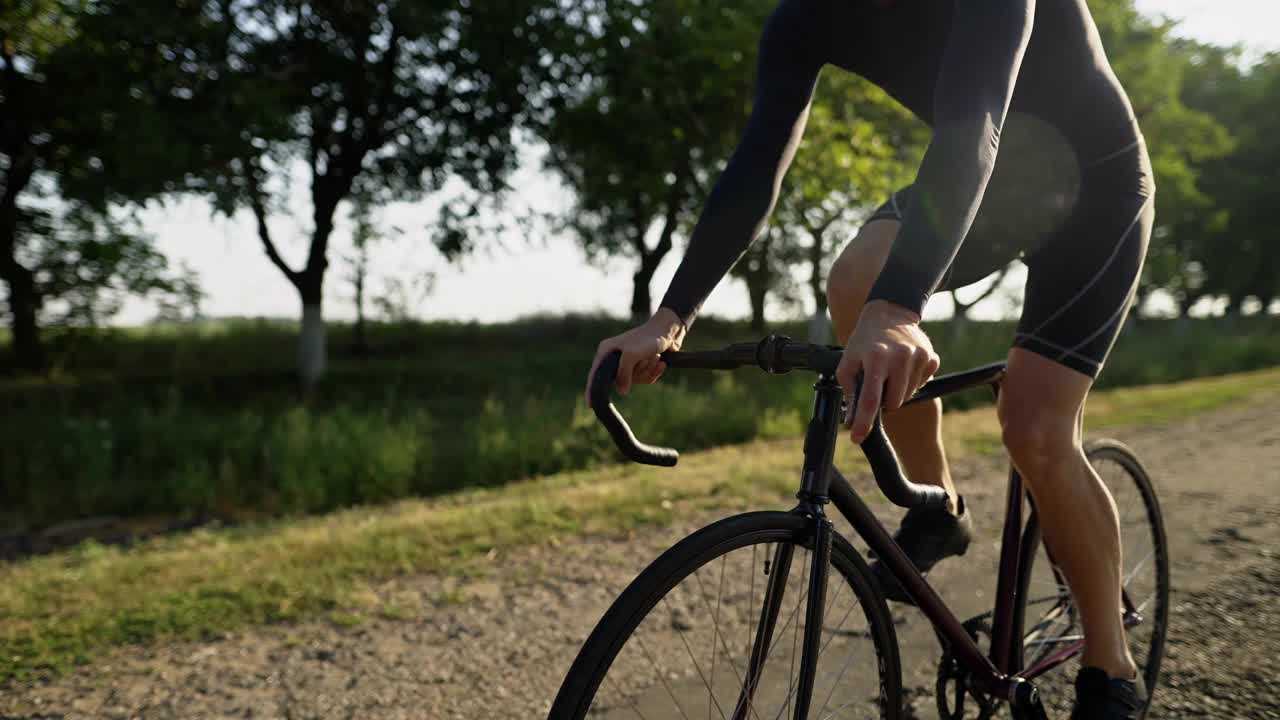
(206, 421)
(65, 609)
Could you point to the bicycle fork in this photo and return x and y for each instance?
(813, 618)
(819, 449)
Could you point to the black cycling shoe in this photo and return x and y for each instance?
(1102, 697)
(927, 537)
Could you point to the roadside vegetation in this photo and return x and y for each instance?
(63, 609)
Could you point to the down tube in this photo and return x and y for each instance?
(948, 627)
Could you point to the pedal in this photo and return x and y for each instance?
(1025, 702)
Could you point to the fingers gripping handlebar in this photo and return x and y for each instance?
(612, 420)
(879, 452)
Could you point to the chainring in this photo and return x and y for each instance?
(953, 685)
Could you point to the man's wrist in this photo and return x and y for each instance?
(671, 323)
(892, 311)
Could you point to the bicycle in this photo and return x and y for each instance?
(639, 661)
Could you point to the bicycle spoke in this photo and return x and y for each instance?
(1145, 603)
(751, 599)
(791, 676)
(837, 710)
(1057, 640)
(662, 677)
(790, 693)
(1045, 599)
(843, 670)
(723, 642)
(1138, 567)
(715, 626)
(779, 633)
(792, 616)
(622, 695)
(1058, 588)
(692, 657)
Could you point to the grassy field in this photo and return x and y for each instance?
(60, 610)
(206, 422)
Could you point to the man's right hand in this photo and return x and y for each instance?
(641, 347)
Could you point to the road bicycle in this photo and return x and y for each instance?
(768, 615)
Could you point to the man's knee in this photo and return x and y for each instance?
(858, 265)
(1037, 436)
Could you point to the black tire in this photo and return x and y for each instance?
(714, 544)
(1135, 498)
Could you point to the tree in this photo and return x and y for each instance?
(79, 135)
(665, 90)
(765, 268)
(1232, 249)
(1181, 139)
(379, 99)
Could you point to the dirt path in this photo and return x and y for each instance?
(497, 645)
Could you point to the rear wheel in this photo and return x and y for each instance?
(679, 641)
(1045, 617)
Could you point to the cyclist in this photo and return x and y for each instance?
(1074, 200)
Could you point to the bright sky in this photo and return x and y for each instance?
(525, 277)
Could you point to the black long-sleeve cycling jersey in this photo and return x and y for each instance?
(960, 65)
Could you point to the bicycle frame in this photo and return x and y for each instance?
(996, 674)
(1000, 674)
(820, 485)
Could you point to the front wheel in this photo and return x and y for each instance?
(696, 635)
(1045, 616)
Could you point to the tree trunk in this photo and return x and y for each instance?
(820, 332)
(819, 323)
(641, 299)
(312, 348)
(24, 301)
(312, 353)
(817, 284)
(360, 339)
(757, 290)
(960, 317)
(962, 309)
(23, 304)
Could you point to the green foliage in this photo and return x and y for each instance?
(87, 263)
(81, 131)
(1154, 71)
(1229, 248)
